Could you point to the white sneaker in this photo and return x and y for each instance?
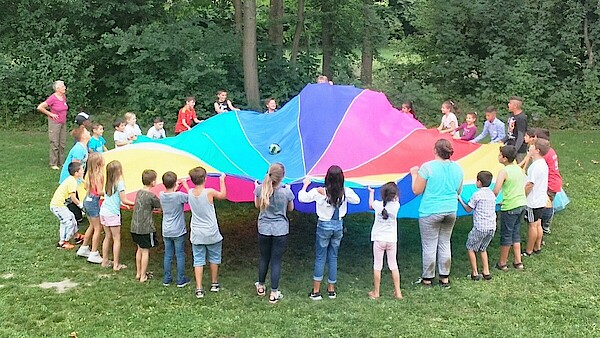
(94, 257)
(84, 251)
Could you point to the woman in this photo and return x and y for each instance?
(440, 182)
(57, 118)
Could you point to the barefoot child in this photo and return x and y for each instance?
(536, 189)
(510, 181)
(205, 235)
(332, 204)
(67, 191)
(94, 184)
(384, 236)
(173, 228)
(110, 214)
(143, 231)
(483, 205)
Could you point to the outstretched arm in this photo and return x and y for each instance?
(371, 197)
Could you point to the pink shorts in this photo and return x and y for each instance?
(390, 250)
(110, 220)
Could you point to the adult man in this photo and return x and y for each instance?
(517, 126)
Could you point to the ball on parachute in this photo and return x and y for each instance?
(274, 149)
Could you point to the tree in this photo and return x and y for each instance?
(276, 26)
(298, 31)
(249, 55)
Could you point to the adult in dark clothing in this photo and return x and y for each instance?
(517, 126)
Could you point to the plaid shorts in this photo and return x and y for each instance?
(479, 240)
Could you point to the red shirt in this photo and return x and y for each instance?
(554, 178)
(187, 115)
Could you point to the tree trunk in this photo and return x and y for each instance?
(276, 25)
(588, 44)
(366, 69)
(237, 8)
(249, 55)
(327, 24)
(298, 32)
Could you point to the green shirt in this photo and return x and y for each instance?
(513, 188)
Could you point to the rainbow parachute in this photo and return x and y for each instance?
(357, 129)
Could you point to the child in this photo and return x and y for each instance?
(120, 137)
(492, 127)
(110, 213)
(536, 189)
(273, 200)
(407, 108)
(173, 228)
(205, 235)
(449, 121)
(222, 104)
(132, 129)
(529, 140)
(332, 203)
(78, 153)
(66, 191)
(271, 105)
(517, 127)
(157, 131)
(510, 181)
(483, 205)
(143, 231)
(82, 118)
(469, 129)
(384, 236)
(97, 143)
(554, 180)
(94, 184)
(186, 116)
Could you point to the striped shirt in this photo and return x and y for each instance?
(483, 203)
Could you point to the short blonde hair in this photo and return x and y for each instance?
(129, 116)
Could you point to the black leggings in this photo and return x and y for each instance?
(271, 250)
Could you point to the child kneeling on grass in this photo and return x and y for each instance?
(143, 231)
(483, 205)
(205, 235)
(67, 191)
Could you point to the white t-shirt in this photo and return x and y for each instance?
(324, 209)
(537, 173)
(131, 131)
(447, 119)
(385, 230)
(156, 134)
(120, 136)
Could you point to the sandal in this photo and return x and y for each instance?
(119, 267)
(275, 298)
(107, 265)
(260, 289)
(444, 285)
(501, 267)
(518, 266)
(487, 277)
(526, 254)
(477, 277)
(423, 282)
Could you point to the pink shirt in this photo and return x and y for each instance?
(554, 178)
(58, 107)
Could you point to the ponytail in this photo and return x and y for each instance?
(272, 179)
(389, 192)
(384, 213)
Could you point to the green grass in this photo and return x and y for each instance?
(557, 294)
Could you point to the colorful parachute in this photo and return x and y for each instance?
(357, 129)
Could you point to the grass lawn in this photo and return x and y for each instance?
(556, 295)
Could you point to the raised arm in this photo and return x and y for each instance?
(418, 182)
(222, 193)
(371, 197)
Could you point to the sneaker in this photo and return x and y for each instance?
(54, 167)
(183, 283)
(199, 293)
(215, 287)
(65, 246)
(331, 294)
(167, 282)
(94, 257)
(84, 251)
(315, 295)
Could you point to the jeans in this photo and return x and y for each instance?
(271, 250)
(327, 246)
(176, 244)
(436, 231)
(510, 226)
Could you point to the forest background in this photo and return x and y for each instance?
(146, 56)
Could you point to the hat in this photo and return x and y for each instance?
(81, 118)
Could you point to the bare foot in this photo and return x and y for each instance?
(143, 279)
(107, 264)
(398, 295)
(119, 267)
(373, 295)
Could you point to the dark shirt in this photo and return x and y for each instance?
(142, 222)
(517, 127)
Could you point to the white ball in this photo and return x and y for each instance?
(274, 149)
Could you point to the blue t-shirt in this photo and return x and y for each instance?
(444, 178)
(273, 220)
(78, 152)
(96, 145)
(173, 222)
(112, 203)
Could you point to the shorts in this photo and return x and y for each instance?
(510, 226)
(110, 220)
(199, 252)
(145, 241)
(533, 214)
(91, 204)
(478, 240)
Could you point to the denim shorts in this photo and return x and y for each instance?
(91, 204)
(510, 226)
(200, 251)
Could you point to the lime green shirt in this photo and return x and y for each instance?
(513, 188)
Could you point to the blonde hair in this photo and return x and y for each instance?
(94, 177)
(272, 179)
(128, 116)
(114, 172)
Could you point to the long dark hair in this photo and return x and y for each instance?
(334, 185)
(388, 191)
